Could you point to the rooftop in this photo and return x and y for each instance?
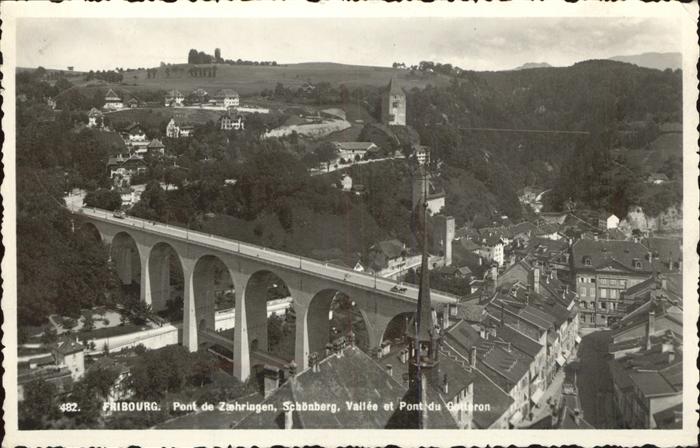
(610, 253)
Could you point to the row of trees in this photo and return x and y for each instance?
(200, 72)
(105, 75)
(200, 57)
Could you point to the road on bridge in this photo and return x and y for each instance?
(339, 274)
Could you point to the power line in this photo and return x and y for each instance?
(530, 131)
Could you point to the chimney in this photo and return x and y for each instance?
(663, 283)
(445, 317)
(494, 274)
(472, 358)
(389, 369)
(650, 327)
(536, 280)
(445, 384)
(480, 261)
(288, 416)
(649, 257)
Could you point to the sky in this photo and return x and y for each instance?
(470, 43)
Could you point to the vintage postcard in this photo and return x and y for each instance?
(236, 224)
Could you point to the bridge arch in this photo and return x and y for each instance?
(332, 313)
(91, 231)
(124, 253)
(396, 328)
(270, 319)
(166, 281)
(211, 280)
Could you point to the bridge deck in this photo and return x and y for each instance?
(295, 262)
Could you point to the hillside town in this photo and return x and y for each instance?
(435, 299)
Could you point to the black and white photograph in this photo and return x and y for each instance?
(423, 219)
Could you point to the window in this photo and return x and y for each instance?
(587, 260)
(603, 281)
(583, 291)
(613, 282)
(603, 305)
(604, 293)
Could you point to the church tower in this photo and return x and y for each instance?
(394, 105)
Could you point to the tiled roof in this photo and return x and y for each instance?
(671, 418)
(393, 88)
(352, 377)
(226, 93)
(618, 254)
(523, 227)
(390, 248)
(665, 248)
(111, 96)
(67, 346)
(471, 312)
(155, 144)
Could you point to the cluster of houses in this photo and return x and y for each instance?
(130, 161)
(224, 98)
(65, 364)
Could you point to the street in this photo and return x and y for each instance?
(595, 382)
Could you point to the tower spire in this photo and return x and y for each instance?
(423, 332)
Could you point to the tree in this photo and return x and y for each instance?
(217, 55)
(193, 57)
(327, 153)
(104, 198)
(39, 405)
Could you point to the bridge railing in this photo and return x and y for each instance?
(254, 251)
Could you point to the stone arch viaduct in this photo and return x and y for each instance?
(312, 284)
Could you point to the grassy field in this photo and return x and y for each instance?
(250, 80)
(156, 116)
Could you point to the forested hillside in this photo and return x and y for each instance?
(621, 106)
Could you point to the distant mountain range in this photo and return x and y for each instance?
(659, 61)
(532, 65)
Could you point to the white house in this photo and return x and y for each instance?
(351, 150)
(95, 118)
(174, 98)
(228, 122)
(113, 101)
(69, 352)
(491, 249)
(228, 98)
(612, 222)
(346, 182)
(172, 130)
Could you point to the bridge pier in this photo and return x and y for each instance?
(189, 323)
(144, 254)
(301, 338)
(241, 349)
